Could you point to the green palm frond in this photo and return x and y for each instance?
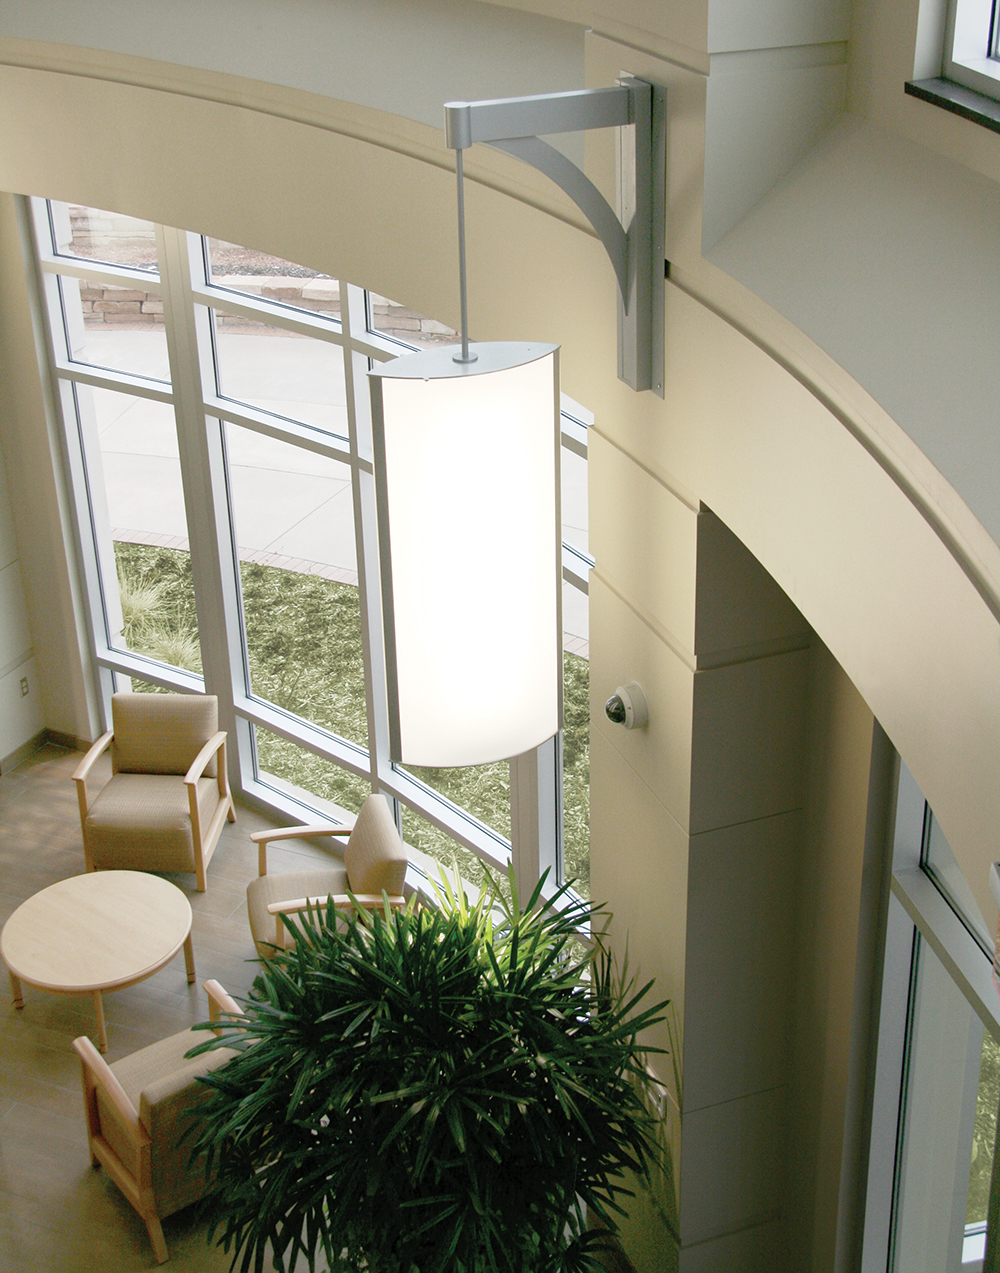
(442, 1087)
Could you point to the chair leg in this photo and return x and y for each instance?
(156, 1238)
(231, 815)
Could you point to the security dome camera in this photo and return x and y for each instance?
(627, 706)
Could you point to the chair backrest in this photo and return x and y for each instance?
(161, 733)
(374, 855)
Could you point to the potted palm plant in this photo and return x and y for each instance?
(447, 1087)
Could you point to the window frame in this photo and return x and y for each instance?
(190, 299)
(916, 912)
(971, 27)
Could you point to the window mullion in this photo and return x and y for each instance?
(535, 819)
(352, 302)
(888, 1090)
(204, 484)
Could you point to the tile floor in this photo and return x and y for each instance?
(57, 1214)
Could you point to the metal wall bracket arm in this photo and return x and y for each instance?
(635, 240)
(502, 118)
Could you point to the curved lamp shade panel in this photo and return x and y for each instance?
(467, 480)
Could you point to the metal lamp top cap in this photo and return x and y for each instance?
(439, 363)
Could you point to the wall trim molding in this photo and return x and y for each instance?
(937, 501)
(395, 133)
(43, 738)
(21, 754)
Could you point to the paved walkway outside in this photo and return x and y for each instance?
(292, 508)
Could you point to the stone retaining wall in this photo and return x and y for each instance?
(119, 306)
(125, 308)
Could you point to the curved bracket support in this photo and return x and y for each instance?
(634, 240)
(568, 177)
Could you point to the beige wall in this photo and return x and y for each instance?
(62, 697)
(830, 879)
(756, 426)
(20, 698)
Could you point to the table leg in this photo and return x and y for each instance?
(15, 986)
(189, 959)
(102, 1034)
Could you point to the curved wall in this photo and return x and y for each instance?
(736, 429)
(758, 424)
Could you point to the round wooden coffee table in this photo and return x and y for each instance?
(94, 932)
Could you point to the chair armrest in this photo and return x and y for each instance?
(297, 833)
(86, 764)
(264, 838)
(204, 756)
(342, 901)
(97, 1071)
(221, 1003)
(80, 778)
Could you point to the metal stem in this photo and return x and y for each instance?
(464, 356)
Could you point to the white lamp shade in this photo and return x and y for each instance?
(467, 478)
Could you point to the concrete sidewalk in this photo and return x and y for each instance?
(292, 508)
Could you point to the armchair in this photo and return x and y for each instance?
(168, 798)
(138, 1110)
(374, 861)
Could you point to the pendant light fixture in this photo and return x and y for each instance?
(467, 444)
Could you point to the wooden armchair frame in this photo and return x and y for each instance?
(204, 842)
(136, 1186)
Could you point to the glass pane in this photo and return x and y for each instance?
(425, 837)
(294, 519)
(939, 862)
(115, 327)
(943, 1064)
(576, 618)
(390, 318)
(573, 480)
(133, 685)
(98, 235)
(984, 1132)
(576, 772)
(288, 375)
(137, 504)
(157, 599)
(282, 763)
(482, 790)
(272, 279)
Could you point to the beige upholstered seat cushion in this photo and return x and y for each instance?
(143, 821)
(161, 1085)
(162, 733)
(285, 886)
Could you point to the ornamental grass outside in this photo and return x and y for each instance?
(449, 1087)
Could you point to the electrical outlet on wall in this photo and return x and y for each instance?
(24, 686)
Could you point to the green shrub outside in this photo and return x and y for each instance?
(984, 1131)
(304, 651)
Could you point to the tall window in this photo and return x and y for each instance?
(215, 405)
(937, 1077)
